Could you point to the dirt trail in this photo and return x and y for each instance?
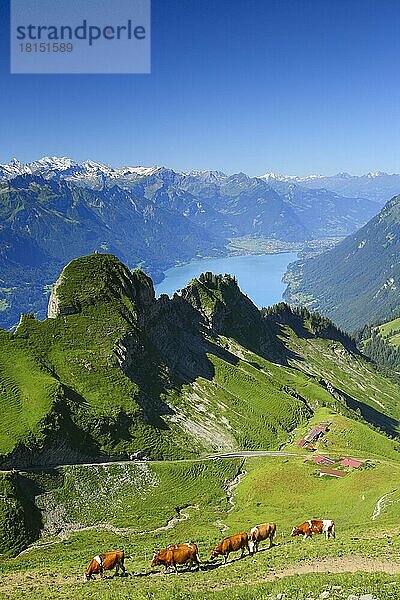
(342, 564)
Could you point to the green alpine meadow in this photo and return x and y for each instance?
(134, 422)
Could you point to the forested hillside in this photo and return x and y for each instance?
(382, 343)
(358, 281)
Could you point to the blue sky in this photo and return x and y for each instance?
(291, 86)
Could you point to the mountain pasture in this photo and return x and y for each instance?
(189, 502)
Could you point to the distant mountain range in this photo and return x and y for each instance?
(45, 222)
(378, 187)
(54, 209)
(358, 281)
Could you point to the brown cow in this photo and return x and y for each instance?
(105, 562)
(307, 528)
(259, 533)
(178, 554)
(239, 541)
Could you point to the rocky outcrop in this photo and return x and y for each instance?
(54, 308)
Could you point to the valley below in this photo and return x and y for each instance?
(54, 209)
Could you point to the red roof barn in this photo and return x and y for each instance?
(352, 462)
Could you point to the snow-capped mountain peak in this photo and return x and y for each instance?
(207, 175)
(14, 162)
(13, 169)
(279, 177)
(52, 162)
(375, 185)
(43, 165)
(55, 166)
(140, 170)
(375, 174)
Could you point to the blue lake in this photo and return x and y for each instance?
(259, 276)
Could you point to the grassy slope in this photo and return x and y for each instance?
(255, 409)
(27, 392)
(81, 353)
(229, 398)
(347, 373)
(347, 437)
(146, 495)
(253, 403)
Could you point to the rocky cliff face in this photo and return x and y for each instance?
(211, 305)
(54, 309)
(226, 311)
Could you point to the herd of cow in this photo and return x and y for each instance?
(187, 553)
